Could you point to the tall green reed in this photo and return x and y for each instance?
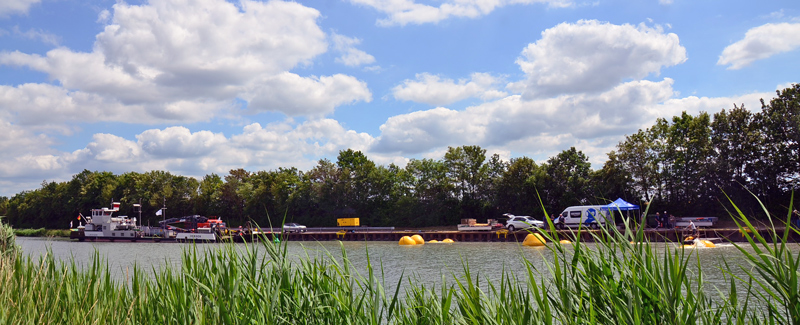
(8, 243)
(619, 278)
(772, 274)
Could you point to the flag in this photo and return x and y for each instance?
(158, 213)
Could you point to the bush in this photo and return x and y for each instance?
(8, 242)
(30, 232)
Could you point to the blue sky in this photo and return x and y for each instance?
(204, 86)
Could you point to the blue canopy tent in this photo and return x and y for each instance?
(621, 205)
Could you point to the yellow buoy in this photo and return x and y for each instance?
(534, 240)
(433, 241)
(564, 241)
(448, 240)
(406, 240)
(709, 243)
(418, 239)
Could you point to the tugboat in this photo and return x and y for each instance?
(102, 225)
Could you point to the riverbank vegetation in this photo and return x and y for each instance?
(41, 232)
(617, 280)
(683, 165)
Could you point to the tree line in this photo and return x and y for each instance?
(689, 165)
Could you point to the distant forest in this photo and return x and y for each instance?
(689, 166)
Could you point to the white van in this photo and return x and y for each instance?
(591, 216)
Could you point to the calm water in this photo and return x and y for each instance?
(429, 262)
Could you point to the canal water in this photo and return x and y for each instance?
(428, 264)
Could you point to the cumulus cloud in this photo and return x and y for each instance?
(295, 95)
(187, 60)
(548, 124)
(29, 159)
(760, 43)
(434, 90)
(44, 107)
(9, 7)
(592, 56)
(403, 12)
(582, 116)
(350, 55)
(179, 142)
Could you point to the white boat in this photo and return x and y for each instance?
(202, 235)
(103, 225)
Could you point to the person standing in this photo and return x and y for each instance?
(796, 218)
(658, 220)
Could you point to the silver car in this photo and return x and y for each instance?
(522, 222)
(293, 227)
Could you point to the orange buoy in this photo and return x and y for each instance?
(534, 240)
(406, 240)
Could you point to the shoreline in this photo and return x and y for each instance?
(725, 234)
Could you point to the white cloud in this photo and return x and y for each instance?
(29, 158)
(295, 95)
(403, 12)
(433, 90)
(45, 107)
(179, 142)
(592, 56)
(620, 110)
(546, 126)
(201, 55)
(104, 16)
(351, 56)
(694, 105)
(760, 43)
(9, 7)
(39, 35)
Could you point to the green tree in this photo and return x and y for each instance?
(734, 139)
(209, 197)
(429, 184)
(568, 175)
(688, 169)
(516, 189)
(613, 181)
(777, 171)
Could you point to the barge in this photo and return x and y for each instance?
(102, 225)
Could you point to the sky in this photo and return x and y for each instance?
(196, 87)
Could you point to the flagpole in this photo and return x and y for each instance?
(164, 218)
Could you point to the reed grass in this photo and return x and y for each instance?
(42, 232)
(620, 279)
